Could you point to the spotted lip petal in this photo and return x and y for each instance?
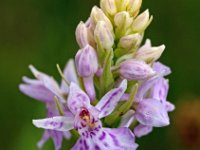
(58, 123)
(151, 112)
(77, 99)
(122, 139)
(108, 139)
(109, 101)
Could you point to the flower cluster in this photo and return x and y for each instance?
(113, 91)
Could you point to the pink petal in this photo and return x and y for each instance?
(48, 82)
(151, 112)
(109, 101)
(77, 99)
(38, 92)
(118, 139)
(43, 140)
(31, 81)
(160, 89)
(142, 130)
(58, 123)
(161, 68)
(169, 106)
(70, 75)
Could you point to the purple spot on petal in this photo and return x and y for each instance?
(115, 141)
(73, 103)
(105, 144)
(92, 133)
(102, 137)
(80, 141)
(97, 147)
(61, 124)
(85, 145)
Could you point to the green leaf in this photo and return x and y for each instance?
(107, 80)
(127, 105)
(131, 85)
(120, 52)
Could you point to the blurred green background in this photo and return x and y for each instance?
(41, 32)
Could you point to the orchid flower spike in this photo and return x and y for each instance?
(122, 92)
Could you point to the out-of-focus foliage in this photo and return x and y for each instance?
(41, 32)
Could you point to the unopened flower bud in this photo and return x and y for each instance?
(109, 7)
(98, 15)
(86, 61)
(104, 37)
(151, 112)
(148, 53)
(130, 41)
(142, 22)
(84, 35)
(122, 5)
(134, 7)
(135, 70)
(123, 21)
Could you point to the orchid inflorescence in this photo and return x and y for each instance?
(114, 90)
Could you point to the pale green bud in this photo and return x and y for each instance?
(148, 53)
(130, 41)
(142, 22)
(122, 4)
(123, 21)
(104, 37)
(98, 15)
(131, 6)
(109, 7)
(134, 7)
(128, 44)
